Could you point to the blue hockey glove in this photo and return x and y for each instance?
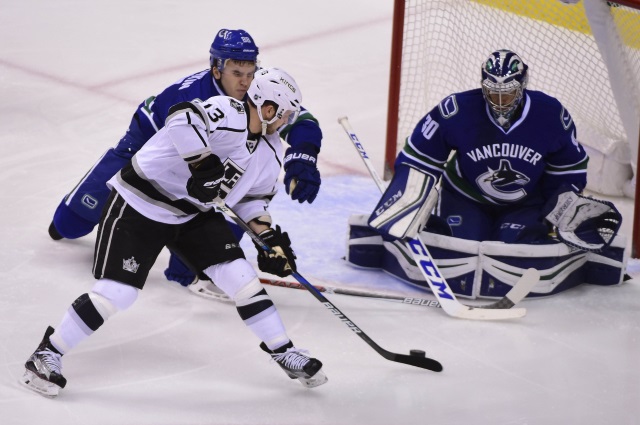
(302, 178)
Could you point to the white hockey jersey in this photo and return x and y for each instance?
(155, 183)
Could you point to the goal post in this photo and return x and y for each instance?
(586, 54)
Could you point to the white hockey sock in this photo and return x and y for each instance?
(270, 329)
(70, 332)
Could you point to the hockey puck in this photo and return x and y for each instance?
(417, 353)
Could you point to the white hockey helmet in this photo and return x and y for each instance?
(275, 85)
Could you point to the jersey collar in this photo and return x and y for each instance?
(523, 116)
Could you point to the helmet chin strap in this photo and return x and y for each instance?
(264, 128)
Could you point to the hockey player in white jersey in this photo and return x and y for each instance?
(212, 151)
(233, 60)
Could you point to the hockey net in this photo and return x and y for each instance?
(587, 55)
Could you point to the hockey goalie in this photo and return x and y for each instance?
(510, 173)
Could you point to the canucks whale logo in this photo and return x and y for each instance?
(494, 183)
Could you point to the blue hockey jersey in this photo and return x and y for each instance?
(535, 156)
(152, 113)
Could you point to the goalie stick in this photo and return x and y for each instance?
(417, 361)
(501, 309)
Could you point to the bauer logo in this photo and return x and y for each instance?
(300, 156)
(420, 301)
(342, 317)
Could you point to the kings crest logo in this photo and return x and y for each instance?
(130, 265)
(232, 173)
(237, 106)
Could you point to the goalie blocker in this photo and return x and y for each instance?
(406, 204)
(489, 269)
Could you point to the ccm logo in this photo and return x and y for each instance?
(426, 264)
(389, 202)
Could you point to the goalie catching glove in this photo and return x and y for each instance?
(280, 261)
(582, 222)
(206, 177)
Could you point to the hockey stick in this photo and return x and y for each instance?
(501, 309)
(204, 289)
(423, 302)
(417, 361)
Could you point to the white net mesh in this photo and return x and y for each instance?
(446, 41)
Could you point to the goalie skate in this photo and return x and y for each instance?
(43, 370)
(297, 365)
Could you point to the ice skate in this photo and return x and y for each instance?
(43, 372)
(297, 365)
(208, 289)
(53, 232)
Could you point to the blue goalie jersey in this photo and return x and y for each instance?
(533, 158)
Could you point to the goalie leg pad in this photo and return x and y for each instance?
(561, 267)
(607, 267)
(457, 260)
(364, 245)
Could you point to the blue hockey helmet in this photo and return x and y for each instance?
(504, 78)
(232, 44)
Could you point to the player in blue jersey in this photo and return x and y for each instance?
(233, 60)
(515, 169)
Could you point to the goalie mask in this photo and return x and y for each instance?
(277, 87)
(504, 78)
(232, 44)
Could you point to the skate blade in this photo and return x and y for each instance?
(202, 289)
(45, 388)
(315, 381)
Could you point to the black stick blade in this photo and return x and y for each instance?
(421, 362)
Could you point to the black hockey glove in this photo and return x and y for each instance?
(302, 178)
(205, 180)
(281, 261)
